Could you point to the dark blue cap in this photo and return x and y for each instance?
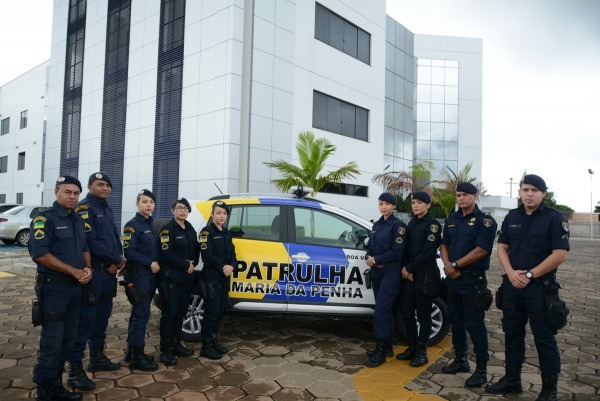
(67, 179)
(534, 180)
(183, 201)
(147, 193)
(422, 196)
(100, 176)
(467, 188)
(388, 197)
(221, 204)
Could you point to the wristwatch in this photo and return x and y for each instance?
(454, 265)
(529, 275)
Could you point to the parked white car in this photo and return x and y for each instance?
(15, 222)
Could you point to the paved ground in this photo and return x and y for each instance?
(304, 359)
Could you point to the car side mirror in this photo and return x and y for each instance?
(237, 232)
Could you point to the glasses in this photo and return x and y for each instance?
(182, 209)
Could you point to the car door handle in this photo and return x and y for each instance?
(301, 257)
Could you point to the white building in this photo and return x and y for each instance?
(191, 97)
(22, 125)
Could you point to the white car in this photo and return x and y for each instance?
(15, 222)
(296, 256)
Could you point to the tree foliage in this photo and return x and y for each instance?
(312, 155)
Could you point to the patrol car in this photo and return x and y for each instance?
(296, 255)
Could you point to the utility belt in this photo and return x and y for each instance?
(39, 315)
(483, 296)
(100, 265)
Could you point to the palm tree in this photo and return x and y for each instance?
(399, 182)
(312, 155)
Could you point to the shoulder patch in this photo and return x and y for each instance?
(204, 232)
(434, 228)
(401, 230)
(565, 226)
(81, 206)
(164, 238)
(39, 234)
(165, 246)
(127, 237)
(129, 229)
(487, 222)
(39, 218)
(399, 240)
(87, 227)
(39, 224)
(203, 246)
(164, 232)
(431, 237)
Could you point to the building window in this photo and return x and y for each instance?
(5, 126)
(335, 115)
(2, 198)
(19, 199)
(337, 32)
(346, 189)
(3, 164)
(21, 161)
(23, 123)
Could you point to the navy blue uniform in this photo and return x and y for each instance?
(60, 233)
(420, 253)
(386, 245)
(531, 239)
(217, 250)
(178, 247)
(105, 248)
(462, 234)
(140, 244)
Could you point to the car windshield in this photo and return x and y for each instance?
(14, 210)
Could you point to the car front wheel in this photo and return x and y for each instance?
(23, 238)
(192, 322)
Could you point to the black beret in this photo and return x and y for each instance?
(534, 180)
(388, 197)
(147, 193)
(467, 188)
(100, 176)
(183, 201)
(67, 179)
(422, 196)
(221, 204)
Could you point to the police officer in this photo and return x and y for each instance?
(97, 297)
(58, 247)
(422, 242)
(179, 254)
(533, 242)
(466, 247)
(218, 255)
(140, 243)
(384, 257)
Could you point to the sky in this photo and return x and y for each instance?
(541, 80)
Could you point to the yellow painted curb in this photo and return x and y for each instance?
(386, 382)
(4, 274)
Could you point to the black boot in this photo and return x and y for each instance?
(129, 351)
(479, 377)
(420, 357)
(140, 361)
(59, 393)
(408, 353)
(181, 350)
(44, 392)
(99, 362)
(219, 347)
(166, 352)
(388, 349)
(77, 377)
(510, 383)
(549, 390)
(459, 364)
(209, 351)
(377, 357)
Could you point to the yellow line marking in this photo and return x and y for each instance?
(4, 274)
(386, 382)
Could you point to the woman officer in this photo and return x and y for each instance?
(218, 255)
(178, 255)
(140, 247)
(422, 242)
(384, 257)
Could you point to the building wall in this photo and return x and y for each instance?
(25, 93)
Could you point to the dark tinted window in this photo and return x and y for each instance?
(335, 115)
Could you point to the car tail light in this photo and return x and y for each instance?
(2, 219)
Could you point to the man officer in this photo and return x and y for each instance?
(533, 242)
(97, 297)
(466, 247)
(58, 247)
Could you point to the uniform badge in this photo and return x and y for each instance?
(39, 224)
(164, 247)
(125, 244)
(473, 219)
(39, 234)
(60, 179)
(431, 237)
(487, 223)
(401, 230)
(203, 247)
(99, 176)
(164, 238)
(126, 236)
(84, 215)
(129, 229)
(87, 227)
(434, 228)
(565, 226)
(399, 240)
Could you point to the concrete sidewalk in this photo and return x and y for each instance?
(273, 358)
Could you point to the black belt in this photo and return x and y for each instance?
(57, 279)
(471, 273)
(100, 265)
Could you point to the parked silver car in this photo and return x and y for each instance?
(5, 206)
(15, 222)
